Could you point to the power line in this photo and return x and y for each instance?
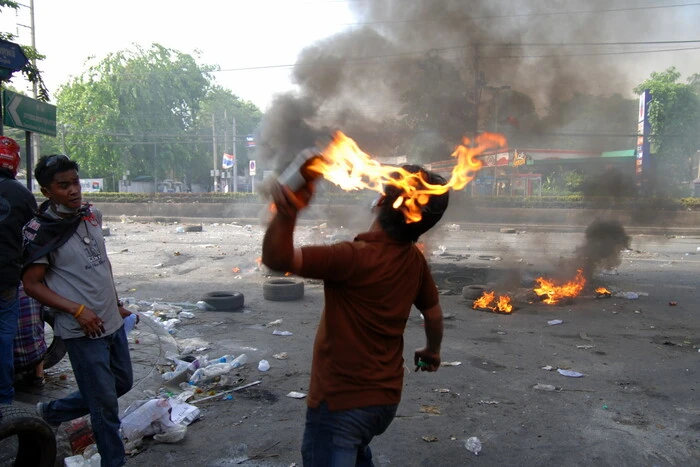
(469, 47)
(523, 15)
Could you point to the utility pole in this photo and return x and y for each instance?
(35, 90)
(235, 159)
(224, 171)
(477, 92)
(213, 131)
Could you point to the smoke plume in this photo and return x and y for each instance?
(419, 61)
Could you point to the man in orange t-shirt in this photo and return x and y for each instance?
(370, 285)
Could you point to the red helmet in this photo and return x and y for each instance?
(9, 154)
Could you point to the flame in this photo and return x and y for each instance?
(554, 293)
(488, 301)
(484, 301)
(602, 291)
(346, 165)
(503, 304)
(287, 274)
(236, 269)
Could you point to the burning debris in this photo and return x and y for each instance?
(551, 294)
(602, 292)
(488, 301)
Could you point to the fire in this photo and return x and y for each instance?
(346, 165)
(488, 301)
(503, 304)
(287, 274)
(484, 301)
(236, 270)
(602, 291)
(555, 293)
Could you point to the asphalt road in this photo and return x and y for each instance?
(637, 402)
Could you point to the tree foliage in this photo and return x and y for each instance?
(148, 111)
(674, 114)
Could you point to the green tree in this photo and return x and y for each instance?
(674, 114)
(219, 109)
(134, 110)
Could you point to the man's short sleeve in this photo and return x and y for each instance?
(329, 262)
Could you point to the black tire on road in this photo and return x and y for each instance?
(57, 348)
(283, 290)
(472, 292)
(36, 441)
(224, 301)
(193, 228)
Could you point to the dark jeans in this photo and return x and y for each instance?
(341, 439)
(103, 372)
(9, 314)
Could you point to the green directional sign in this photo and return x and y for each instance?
(29, 114)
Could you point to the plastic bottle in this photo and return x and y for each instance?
(473, 445)
(209, 372)
(129, 323)
(263, 365)
(242, 359)
(225, 359)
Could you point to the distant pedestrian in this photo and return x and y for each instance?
(370, 285)
(67, 269)
(17, 206)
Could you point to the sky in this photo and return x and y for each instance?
(264, 35)
(257, 42)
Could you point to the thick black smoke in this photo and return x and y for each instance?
(418, 61)
(605, 240)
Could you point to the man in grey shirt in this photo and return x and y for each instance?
(66, 268)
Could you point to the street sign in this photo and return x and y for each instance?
(251, 168)
(29, 114)
(11, 56)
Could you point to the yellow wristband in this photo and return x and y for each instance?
(80, 310)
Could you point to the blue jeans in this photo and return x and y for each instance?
(9, 315)
(341, 439)
(103, 372)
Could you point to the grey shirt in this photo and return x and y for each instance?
(80, 271)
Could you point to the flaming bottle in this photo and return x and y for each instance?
(297, 173)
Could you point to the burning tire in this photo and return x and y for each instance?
(34, 438)
(57, 348)
(283, 290)
(472, 292)
(224, 301)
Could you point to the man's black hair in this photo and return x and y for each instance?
(393, 221)
(48, 166)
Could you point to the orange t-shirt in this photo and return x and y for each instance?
(369, 286)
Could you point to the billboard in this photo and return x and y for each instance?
(91, 185)
(643, 131)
